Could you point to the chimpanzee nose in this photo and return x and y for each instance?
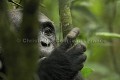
(45, 44)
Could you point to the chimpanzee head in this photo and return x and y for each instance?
(46, 38)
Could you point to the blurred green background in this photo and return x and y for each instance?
(97, 20)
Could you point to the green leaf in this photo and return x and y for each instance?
(86, 72)
(106, 34)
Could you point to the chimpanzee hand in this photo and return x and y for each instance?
(74, 53)
(65, 61)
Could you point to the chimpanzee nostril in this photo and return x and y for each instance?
(45, 44)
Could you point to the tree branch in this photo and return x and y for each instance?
(65, 16)
(20, 58)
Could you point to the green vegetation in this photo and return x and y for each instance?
(99, 23)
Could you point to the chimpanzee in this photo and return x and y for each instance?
(56, 63)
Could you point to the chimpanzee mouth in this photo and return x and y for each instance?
(46, 48)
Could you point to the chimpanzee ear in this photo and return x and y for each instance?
(15, 17)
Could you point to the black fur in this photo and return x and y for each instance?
(63, 63)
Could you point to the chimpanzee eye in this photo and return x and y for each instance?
(48, 31)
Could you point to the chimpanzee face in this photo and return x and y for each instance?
(47, 38)
(46, 35)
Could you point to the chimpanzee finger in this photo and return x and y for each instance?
(76, 50)
(69, 40)
(78, 62)
(81, 58)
